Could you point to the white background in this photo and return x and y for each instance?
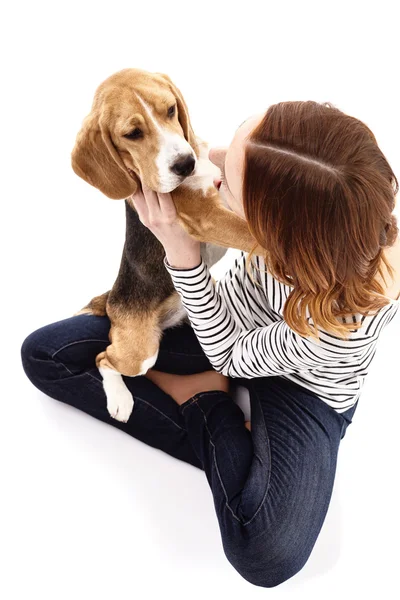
(88, 512)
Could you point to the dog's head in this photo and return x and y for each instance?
(138, 129)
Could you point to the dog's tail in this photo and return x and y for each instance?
(97, 306)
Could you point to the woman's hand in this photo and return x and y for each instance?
(157, 212)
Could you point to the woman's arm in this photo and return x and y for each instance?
(234, 350)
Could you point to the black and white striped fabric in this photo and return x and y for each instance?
(240, 327)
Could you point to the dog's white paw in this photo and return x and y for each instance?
(120, 405)
(119, 399)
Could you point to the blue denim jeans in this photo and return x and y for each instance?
(271, 486)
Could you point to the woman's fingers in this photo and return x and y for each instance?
(151, 198)
(167, 207)
(158, 213)
(140, 204)
(161, 208)
(146, 204)
(154, 208)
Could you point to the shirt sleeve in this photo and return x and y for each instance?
(234, 350)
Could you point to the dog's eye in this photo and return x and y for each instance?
(171, 111)
(135, 134)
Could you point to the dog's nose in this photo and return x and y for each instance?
(184, 166)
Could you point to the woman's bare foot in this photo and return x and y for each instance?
(183, 387)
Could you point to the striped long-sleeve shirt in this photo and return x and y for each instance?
(241, 329)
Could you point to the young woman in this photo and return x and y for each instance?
(298, 327)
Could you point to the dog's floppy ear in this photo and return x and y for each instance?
(183, 113)
(95, 159)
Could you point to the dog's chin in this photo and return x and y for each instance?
(170, 185)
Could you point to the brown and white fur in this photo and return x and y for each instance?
(167, 157)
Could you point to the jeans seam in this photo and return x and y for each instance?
(159, 411)
(136, 397)
(194, 400)
(78, 342)
(108, 342)
(198, 395)
(269, 459)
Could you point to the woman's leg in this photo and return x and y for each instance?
(271, 486)
(59, 359)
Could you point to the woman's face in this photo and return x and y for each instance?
(231, 161)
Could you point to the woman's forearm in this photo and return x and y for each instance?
(186, 259)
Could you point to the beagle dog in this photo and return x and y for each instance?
(139, 130)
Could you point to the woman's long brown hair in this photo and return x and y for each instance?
(318, 195)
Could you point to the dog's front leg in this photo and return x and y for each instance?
(120, 401)
(213, 223)
(134, 337)
(133, 349)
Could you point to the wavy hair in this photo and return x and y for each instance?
(318, 196)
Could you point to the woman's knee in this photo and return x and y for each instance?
(36, 356)
(73, 342)
(268, 553)
(266, 564)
